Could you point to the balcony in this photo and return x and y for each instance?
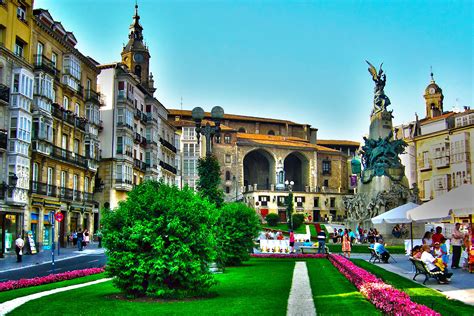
(16, 196)
(94, 97)
(3, 140)
(124, 97)
(124, 125)
(139, 164)
(70, 194)
(4, 93)
(144, 118)
(92, 164)
(41, 63)
(167, 144)
(168, 167)
(441, 162)
(41, 146)
(138, 138)
(123, 184)
(143, 142)
(44, 189)
(69, 117)
(68, 156)
(150, 118)
(138, 114)
(88, 197)
(19, 101)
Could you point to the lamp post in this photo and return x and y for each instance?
(208, 131)
(289, 185)
(6, 188)
(234, 179)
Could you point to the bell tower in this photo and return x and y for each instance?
(135, 54)
(433, 99)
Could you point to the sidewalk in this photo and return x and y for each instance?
(9, 262)
(460, 288)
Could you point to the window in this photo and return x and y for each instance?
(66, 103)
(227, 175)
(74, 186)
(19, 47)
(76, 146)
(86, 184)
(316, 202)
(242, 130)
(54, 60)
(77, 109)
(227, 138)
(228, 158)
(39, 53)
(326, 167)
(426, 159)
(299, 201)
(263, 200)
(49, 189)
(326, 183)
(63, 179)
(227, 189)
(21, 13)
(120, 115)
(271, 132)
(35, 176)
(427, 189)
(217, 139)
(138, 71)
(332, 202)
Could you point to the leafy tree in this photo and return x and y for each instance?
(209, 180)
(272, 219)
(238, 226)
(289, 209)
(297, 220)
(159, 242)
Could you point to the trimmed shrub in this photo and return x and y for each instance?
(159, 242)
(272, 219)
(298, 220)
(238, 226)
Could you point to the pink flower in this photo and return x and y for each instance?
(22, 283)
(288, 255)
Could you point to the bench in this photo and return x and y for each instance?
(421, 268)
(308, 250)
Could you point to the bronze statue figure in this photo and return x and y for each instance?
(381, 101)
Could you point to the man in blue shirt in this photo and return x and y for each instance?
(322, 241)
(380, 249)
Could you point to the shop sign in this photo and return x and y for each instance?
(59, 217)
(31, 241)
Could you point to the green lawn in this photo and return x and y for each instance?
(337, 248)
(419, 293)
(9, 295)
(333, 294)
(260, 287)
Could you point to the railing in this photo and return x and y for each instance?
(45, 64)
(138, 114)
(44, 189)
(139, 164)
(144, 118)
(94, 97)
(101, 125)
(167, 144)
(68, 117)
(143, 142)
(123, 181)
(122, 124)
(168, 167)
(68, 156)
(41, 146)
(4, 93)
(150, 118)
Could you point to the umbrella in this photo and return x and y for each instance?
(458, 201)
(396, 215)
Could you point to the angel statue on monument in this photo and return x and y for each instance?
(381, 101)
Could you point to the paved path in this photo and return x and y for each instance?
(300, 301)
(460, 288)
(17, 302)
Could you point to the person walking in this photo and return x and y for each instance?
(80, 239)
(19, 244)
(86, 238)
(292, 241)
(74, 238)
(346, 244)
(456, 242)
(322, 241)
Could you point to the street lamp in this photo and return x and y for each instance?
(234, 179)
(208, 131)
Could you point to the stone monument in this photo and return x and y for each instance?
(382, 184)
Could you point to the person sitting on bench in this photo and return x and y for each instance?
(380, 249)
(430, 261)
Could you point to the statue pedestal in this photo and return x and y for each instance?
(380, 125)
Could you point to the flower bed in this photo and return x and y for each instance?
(288, 255)
(385, 297)
(22, 283)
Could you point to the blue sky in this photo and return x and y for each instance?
(297, 60)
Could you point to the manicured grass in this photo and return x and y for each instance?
(260, 287)
(337, 248)
(418, 292)
(333, 294)
(9, 295)
(284, 228)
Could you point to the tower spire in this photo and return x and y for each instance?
(431, 73)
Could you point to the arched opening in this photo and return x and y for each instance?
(138, 71)
(259, 169)
(242, 130)
(296, 167)
(271, 132)
(227, 175)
